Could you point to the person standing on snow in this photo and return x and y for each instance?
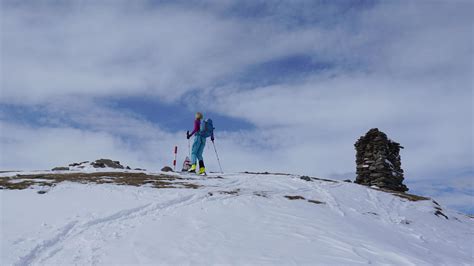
(198, 144)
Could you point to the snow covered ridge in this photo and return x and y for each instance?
(97, 164)
(104, 216)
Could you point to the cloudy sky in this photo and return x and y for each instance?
(290, 85)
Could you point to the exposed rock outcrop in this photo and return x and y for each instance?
(78, 164)
(378, 161)
(167, 169)
(103, 163)
(60, 168)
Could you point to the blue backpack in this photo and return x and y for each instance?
(207, 128)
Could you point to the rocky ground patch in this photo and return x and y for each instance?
(20, 181)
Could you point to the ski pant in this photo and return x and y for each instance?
(198, 149)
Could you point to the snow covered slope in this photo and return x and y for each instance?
(234, 218)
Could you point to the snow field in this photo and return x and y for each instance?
(237, 219)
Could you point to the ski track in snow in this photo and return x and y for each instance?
(329, 199)
(48, 248)
(45, 245)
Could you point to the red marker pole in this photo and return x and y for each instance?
(175, 155)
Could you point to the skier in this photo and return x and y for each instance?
(202, 130)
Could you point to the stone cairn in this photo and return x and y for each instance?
(378, 161)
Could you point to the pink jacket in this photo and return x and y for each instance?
(197, 127)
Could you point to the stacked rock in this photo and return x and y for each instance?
(378, 161)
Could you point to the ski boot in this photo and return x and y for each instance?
(192, 169)
(202, 168)
(202, 171)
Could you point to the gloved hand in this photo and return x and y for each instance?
(212, 138)
(187, 135)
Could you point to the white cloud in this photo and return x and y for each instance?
(43, 148)
(102, 50)
(403, 67)
(31, 148)
(415, 84)
(455, 191)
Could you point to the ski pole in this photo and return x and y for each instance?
(189, 147)
(217, 155)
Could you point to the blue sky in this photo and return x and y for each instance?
(290, 85)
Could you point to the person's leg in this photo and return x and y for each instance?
(194, 153)
(200, 150)
(202, 168)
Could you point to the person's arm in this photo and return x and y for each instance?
(197, 127)
(212, 136)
